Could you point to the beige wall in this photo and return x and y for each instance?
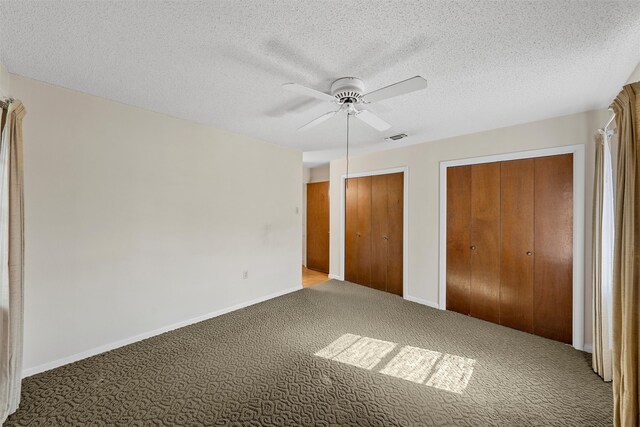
(136, 221)
(320, 173)
(423, 162)
(306, 177)
(5, 90)
(635, 75)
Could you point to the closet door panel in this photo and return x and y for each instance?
(351, 226)
(553, 270)
(485, 241)
(516, 271)
(379, 231)
(364, 231)
(395, 204)
(458, 238)
(318, 226)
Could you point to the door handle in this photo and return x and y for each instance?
(385, 237)
(473, 248)
(529, 253)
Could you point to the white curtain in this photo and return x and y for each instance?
(11, 259)
(603, 236)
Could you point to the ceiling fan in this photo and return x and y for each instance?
(347, 92)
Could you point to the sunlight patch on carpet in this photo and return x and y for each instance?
(363, 352)
(338, 346)
(412, 364)
(452, 373)
(446, 372)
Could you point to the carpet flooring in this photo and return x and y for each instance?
(381, 361)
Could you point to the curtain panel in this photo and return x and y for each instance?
(603, 232)
(11, 259)
(626, 273)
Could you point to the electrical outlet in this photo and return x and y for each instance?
(245, 274)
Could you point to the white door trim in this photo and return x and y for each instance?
(578, 152)
(405, 219)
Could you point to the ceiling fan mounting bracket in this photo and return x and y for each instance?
(348, 90)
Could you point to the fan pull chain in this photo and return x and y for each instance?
(346, 180)
(348, 115)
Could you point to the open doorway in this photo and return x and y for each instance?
(316, 226)
(311, 278)
(317, 212)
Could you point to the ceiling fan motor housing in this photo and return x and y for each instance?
(348, 90)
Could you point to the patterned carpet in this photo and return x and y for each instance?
(382, 361)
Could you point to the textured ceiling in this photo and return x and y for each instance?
(489, 64)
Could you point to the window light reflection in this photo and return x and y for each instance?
(442, 371)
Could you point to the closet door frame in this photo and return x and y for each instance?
(405, 221)
(579, 285)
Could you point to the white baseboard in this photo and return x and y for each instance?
(422, 301)
(588, 348)
(120, 343)
(336, 277)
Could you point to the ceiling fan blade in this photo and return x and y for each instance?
(319, 120)
(372, 120)
(400, 88)
(303, 90)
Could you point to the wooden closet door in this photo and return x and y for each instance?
(351, 229)
(318, 226)
(364, 231)
(553, 269)
(516, 270)
(485, 242)
(379, 231)
(374, 232)
(458, 238)
(395, 233)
